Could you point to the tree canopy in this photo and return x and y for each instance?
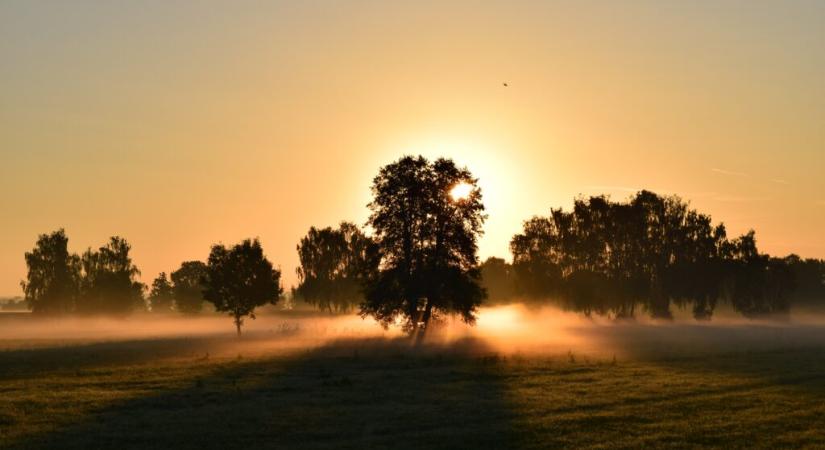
(334, 265)
(607, 257)
(53, 278)
(427, 242)
(109, 284)
(161, 296)
(188, 287)
(239, 279)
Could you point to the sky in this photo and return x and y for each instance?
(178, 124)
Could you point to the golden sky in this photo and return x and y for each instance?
(182, 124)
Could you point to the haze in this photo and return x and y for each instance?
(178, 125)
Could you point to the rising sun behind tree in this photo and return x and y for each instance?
(428, 244)
(461, 191)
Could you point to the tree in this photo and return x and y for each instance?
(498, 279)
(608, 257)
(537, 258)
(427, 239)
(188, 288)
(161, 297)
(240, 279)
(108, 284)
(335, 264)
(51, 285)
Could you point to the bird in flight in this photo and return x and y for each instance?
(505, 84)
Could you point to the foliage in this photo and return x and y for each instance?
(53, 277)
(335, 263)
(161, 296)
(108, 284)
(240, 279)
(427, 242)
(497, 279)
(606, 257)
(188, 288)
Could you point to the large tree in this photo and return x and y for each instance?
(53, 277)
(109, 284)
(240, 279)
(334, 266)
(427, 217)
(188, 288)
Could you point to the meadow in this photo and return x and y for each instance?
(520, 379)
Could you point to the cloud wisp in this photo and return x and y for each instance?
(729, 172)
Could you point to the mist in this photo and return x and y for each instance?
(507, 330)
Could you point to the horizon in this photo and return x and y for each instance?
(180, 126)
(364, 224)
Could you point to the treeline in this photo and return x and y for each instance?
(98, 281)
(610, 258)
(419, 265)
(420, 262)
(235, 280)
(13, 304)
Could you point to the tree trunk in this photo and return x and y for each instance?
(425, 319)
(238, 325)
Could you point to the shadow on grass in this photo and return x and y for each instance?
(357, 393)
(23, 363)
(779, 355)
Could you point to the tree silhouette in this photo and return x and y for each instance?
(188, 288)
(809, 280)
(109, 284)
(161, 296)
(51, 284)
(497, 279)
(335, 264)
(427, 241)
(606, 257)
(240, 279)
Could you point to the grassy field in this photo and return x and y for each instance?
(679, 386)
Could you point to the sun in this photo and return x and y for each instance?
(461, 191)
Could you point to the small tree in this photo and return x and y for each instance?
(188, 287)
(239, 279)
(161, 297)
(52, 281)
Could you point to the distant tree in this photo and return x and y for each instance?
(188, 287)
(240, 279)
(53, 278)
(809, 279)
(607, 257)
(537, 259)
(757, 285)
(13, 304)
(335, 263)
(161, 296)
(109, 284)
(498, 279)
(427, 239)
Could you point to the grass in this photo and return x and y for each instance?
(216, 392)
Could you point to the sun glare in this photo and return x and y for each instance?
(461, 191)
